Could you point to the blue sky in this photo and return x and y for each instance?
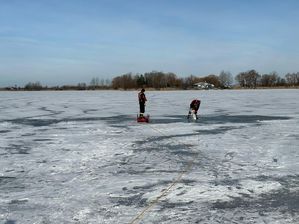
(71, 41)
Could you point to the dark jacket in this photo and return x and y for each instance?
(142, 98)
(195, 105)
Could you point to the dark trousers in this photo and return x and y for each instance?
(142, 107)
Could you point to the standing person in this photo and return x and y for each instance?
(194, 106)
(142, 99)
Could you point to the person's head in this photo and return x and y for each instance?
(143, 90)
(196, 101)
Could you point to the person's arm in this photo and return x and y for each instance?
(191, 104)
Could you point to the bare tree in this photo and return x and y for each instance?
(33, 86)
(156, 79)
(240, 78)
(125, 81)
(248, 79)
(107, 82)
(81, 86)
(211, 79)
(269, 80)
(94, 83)
(225, 79)
(171, 80)
(292, 78)
(102, 82)
(190, 81)
(253, 78)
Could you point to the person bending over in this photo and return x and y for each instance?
(194, 106)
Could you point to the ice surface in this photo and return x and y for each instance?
(81, 157)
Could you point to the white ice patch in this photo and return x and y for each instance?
(212, 193)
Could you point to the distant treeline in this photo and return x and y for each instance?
(37, 86)
(161, 80)
(248, 79)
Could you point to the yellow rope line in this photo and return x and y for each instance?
(164, 192)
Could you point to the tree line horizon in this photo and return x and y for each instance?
(169, 80)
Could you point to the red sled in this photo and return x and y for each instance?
(143, 118)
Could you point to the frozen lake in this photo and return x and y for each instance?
(80, 157)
